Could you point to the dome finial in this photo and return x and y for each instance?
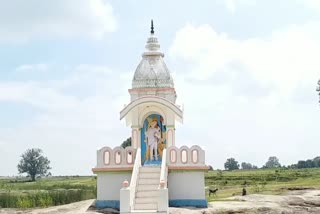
(152, 28)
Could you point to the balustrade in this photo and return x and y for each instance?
(185, 156)
(115, 158)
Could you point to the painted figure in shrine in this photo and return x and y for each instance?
(153, 136)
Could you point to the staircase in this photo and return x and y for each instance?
(147, 196)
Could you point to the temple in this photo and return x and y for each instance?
(153, 173)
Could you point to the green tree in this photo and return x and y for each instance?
(245, 165)
(309, 163)
(273, 162)
(126, 143)
(33, 163)
(316, 161)
(231, 164)
(301, 164)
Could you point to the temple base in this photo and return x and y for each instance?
(114, 204)
(199, 203)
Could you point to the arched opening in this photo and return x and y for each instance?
(173, 156)
(153, 139)
(129, 157)
(117, 157)
(106, 157)
(195, 156)
(184, 156)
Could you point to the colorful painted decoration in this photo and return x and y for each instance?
(153, 140)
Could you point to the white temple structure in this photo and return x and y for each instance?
(152, 174)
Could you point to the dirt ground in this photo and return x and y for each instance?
(294, 202)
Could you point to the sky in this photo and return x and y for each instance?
(246, 72)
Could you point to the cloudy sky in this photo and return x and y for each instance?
(246, 72)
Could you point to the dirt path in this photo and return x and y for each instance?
(295, 202)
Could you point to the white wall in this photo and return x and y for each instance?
(186, 185)
(109, 185)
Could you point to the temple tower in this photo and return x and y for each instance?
(153, 97)
(153, 173)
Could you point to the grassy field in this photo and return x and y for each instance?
(62, 190)
(46, 191)
(262, 181)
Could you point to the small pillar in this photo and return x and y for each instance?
(135, 137)
(170, 135)
(163, 202)
(125, 197)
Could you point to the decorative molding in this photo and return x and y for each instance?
(150, 89)
(151, 99)
(187, 168)
(151, 110)
(94, 170)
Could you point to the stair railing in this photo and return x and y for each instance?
(134, 177)
(163, 200)
(164, 170)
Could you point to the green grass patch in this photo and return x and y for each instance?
(45, 192)
(262, 181)
(19, 193)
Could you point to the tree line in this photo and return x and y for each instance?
(34, 164)
(272, 162)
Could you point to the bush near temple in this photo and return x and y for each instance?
(19, 193)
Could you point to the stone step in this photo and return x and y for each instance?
(149, 169)
(146, 194)
(148, 181)
(149, 175)
(142, 187)
(148, 200)
(150, 206)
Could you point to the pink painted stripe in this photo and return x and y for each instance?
(111, 169)
(188, 167)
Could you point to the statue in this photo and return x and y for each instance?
(153, 135)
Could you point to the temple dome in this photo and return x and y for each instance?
(152, 72)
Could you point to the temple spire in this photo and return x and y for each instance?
(152, 28)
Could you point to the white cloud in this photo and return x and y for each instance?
(67, 123)
(22, 21)
(283, 60)
(252, 98)
(312, 4)
(233, 4)
(35, 94)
